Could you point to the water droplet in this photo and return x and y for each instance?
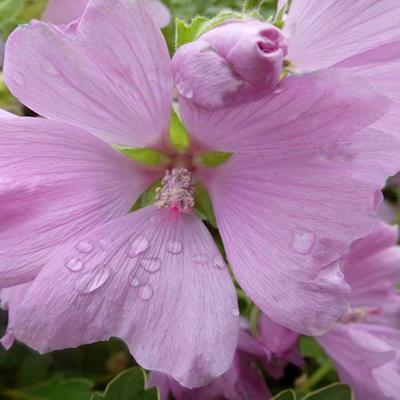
(278, 90)
(174, 247)
(235, 312)
(151, 264)
(146, 292)
(86, 246)
(134, 281)
(93, 280)
(74, 264)
(218, 262)
(303, 242)
(200, 259)
(184, 89)
(139, 245)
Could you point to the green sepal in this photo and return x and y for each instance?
(203, 205)
(177, 134)
(146, 198)
(129, 385)
(188, 32)
(212, 159)
(145, 156)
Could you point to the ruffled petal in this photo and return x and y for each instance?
(153, 279)
(108, 73)
(56, 182)
(323, 33)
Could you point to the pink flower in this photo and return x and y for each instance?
(302, 185)
(242, 381)
(365, 344)
(360, 36)
(280, 345)
(230, 63)
(66, 11)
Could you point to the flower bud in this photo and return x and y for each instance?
(233, 62)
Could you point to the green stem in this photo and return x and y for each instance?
(316, 378)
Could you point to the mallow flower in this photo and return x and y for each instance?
(231, 63)
(63, 12)
(302, 183)
(243, 380)
(365, 344)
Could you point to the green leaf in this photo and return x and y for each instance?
(268, 8)
(56, 389)
(9, 9)
(144, 156)
(250, 5)
(177, 134)
(309, 347)
(213, 159)
(286, 395)
(129, 385)
(203, 205)
(188, 32)
(337, 391)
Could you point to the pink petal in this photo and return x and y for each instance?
(381, 67)
(109, 73)
(304, 112)
(10, 300)
(357, 354)
(288, 210)
(152, 279)
(56, 182)
(64, 11)
(242, 381)
(323, 33)
(159, 12)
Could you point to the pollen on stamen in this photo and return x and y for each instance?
(176, 191)
(355, 315)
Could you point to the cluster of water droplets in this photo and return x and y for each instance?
(137, 250)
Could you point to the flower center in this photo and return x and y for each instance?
(176, 191)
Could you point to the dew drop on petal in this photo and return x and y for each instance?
(146, 292)
(134, 281)
(139, 245)
(278, 90)
(151, 264)
(218, 262)
(235, 312)
(93, 280)
(85, 247)
(184, 89)
(200, 258)
(74, 264)
(303, 242)
(174, 247)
